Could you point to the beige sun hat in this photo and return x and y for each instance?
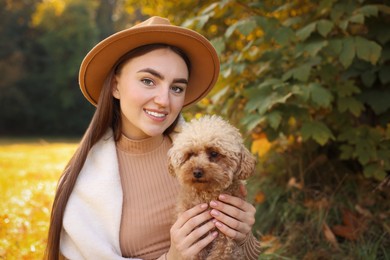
(100, 60)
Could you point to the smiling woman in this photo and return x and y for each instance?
(115, 199)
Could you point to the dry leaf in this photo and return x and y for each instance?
(293, 183)
(353, 226)
(260, 197)
(322, 203)
(329, 236)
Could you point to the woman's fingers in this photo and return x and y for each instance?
(198, 239)
(192, 231)
(237, 202)
(233, 216)
(237, 209)
(185, 216)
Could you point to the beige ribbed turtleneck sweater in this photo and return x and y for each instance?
(149, 196)
(149, 199)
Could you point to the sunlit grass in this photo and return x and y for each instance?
(29, 171)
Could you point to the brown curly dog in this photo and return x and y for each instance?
(208, 158)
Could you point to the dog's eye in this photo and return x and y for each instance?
(213, 154)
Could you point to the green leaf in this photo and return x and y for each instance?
(209, 8)
(324, 27)
(347, 88)
(374, 170)
(306, 31)
(230, 30)
(344, 25)
(314, 47)
(302, 91)
(357, 18)
(274, 118)
(284, 35)
(347, 152)
(363, 152)
(367, 50)
(202, 21)
(302, 72)
(378, 100)
(219, 45)
(336, 45)
(246, 26)
(252, 120)
(350, 104)
(287, 75)
(266, 95)
(320, 95)
(316, 130)
(347, 52)
(384, 74)
(368, 78)
(369, 10)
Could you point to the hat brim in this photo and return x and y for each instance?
(100, 60)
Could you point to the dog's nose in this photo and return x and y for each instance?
(198, 173)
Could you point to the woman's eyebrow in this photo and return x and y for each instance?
(153, 72)
(160, 76)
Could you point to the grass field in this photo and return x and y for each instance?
(29, 170)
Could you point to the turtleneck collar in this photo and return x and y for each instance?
(139, 146)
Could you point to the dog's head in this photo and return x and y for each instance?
(209, 154)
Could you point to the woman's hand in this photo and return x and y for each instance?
(233, 216)
(186, 233)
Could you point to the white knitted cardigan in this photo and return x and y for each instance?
(93, 213)
(92, 217)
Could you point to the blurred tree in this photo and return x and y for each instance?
(53, 89)
(104, 18)
(15, 38)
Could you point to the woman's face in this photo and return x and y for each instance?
(151, 90)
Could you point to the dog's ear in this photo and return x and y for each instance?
(248, 163)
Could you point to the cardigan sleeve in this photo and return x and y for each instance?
(251, 247)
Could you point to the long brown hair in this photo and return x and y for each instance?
(107, 115)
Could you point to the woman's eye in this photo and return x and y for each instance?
(147, 82)
(177, 90)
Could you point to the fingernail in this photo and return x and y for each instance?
(222, 197)
(218, 224)
(214, 212)
(215, 233)
(203, 206)
(213, 203)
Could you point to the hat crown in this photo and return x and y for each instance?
(155, 20)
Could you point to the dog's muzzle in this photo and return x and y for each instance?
(197, 173)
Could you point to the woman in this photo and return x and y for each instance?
(115, 198)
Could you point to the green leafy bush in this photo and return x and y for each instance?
(315, 72)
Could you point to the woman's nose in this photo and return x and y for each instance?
(162, 97)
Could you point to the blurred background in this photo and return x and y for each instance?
(307, 83)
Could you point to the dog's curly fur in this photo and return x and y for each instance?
(208, 158)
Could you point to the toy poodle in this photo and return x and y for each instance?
(208, 158)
